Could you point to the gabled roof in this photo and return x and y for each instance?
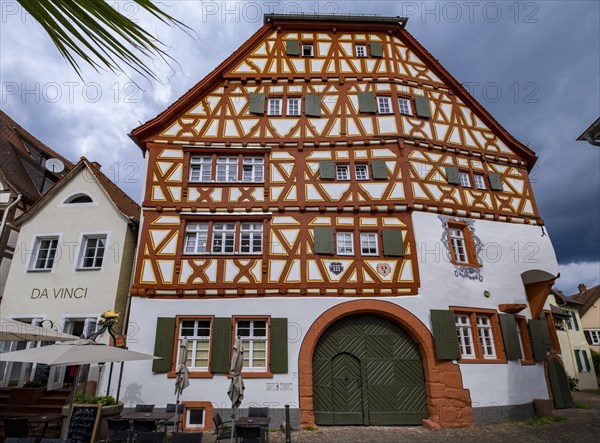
(586, 299)
(121, 201)
(591, 134)
(563, 300)
(143, 133)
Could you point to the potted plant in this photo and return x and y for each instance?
(108, 403)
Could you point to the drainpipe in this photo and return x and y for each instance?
(6, 212)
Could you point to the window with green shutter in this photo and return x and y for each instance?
(495, 182)
(376, 49)
(221, 346)
(452, 175)
(578, 360)
(163, 344)
(422, 107)
(575, 322)
(540, 339)
(393, 245)
(510, 336)
(292, 47)
(324, 242)
(278, 352)
(257, 103)
(326, 170)
(367, 102)
(312, 105)
(444, 335)
(586, 361)
(379, 169)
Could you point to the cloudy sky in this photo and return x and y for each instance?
(535, 65)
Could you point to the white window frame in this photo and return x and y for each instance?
(312, 49)
(486, 336)
(190, 425)
(194, 340)
(225, 235)
(251, 231)
(465, 335)
(384, 105)
(274, 106)
(344, 243)
(404, 106)
(364, 174)
(342, 172)
(458, 244)
(293, 104)
(361, 51)
(249, 341)
(197, 232)
(83, 250)
(200, 165)
(371, 240)
(583, 362)
(36, 252)
(227, 169)
(465, 180)
(479, 181)
(595, 336)
(253, 169)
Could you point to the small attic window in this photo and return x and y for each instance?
(78, 198)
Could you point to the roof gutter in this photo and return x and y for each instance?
(131, 136)
(6, 212)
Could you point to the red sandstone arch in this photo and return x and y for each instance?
(448, 403)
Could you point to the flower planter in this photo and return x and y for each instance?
(25, 396)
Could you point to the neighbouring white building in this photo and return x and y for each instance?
(74, 258)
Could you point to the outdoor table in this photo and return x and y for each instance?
(149, 415)
(43, 419)
(262, 422)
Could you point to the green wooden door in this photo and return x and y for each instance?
(367, 370)
(559, 385)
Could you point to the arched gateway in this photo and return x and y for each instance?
(447, 403)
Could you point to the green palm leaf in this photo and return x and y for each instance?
(94, 32)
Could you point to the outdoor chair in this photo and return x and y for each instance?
(54, 440)
(187, 437)
(20, 440)
(18, 427)
(144, 425)
(247, 434)
(119, 429)
(144, 408)
(222, 432)
(171, 407)
(258, 412)
(150, 437)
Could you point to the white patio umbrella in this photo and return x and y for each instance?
(14, 330)
(236, 387)
(182, 380)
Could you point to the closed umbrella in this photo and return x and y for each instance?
(236, 387)
(14, 330)
(183, 377)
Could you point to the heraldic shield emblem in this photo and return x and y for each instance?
(336, 268)
(384, 269)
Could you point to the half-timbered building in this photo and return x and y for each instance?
(334, 197)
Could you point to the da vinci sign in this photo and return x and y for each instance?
(58, 293)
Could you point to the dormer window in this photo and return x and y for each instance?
(78, 199)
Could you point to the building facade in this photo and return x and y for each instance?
(332, 195)
(589, 311)
(75, 252)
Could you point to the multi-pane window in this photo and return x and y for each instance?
(253, 334)
(45, 253)
(465, 337)
(458, 244)
(198, 334)
(384, 105)
(361, 51)
(223, 238)
(595, 336)
(361, 172)
(274, 106)
(404, 105)
(196, 238)
(227, 169)
(368, 243)
(342, 172)
(200, 169)
(307, 50)
(479, 181)
(465, 180)
(92, 253)
(251, 238)
(583, 363)
(345, 243)
(486, 337)
(293, 106)
(253, 169)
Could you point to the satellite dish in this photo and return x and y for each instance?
(54, 165)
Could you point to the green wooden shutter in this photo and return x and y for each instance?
(578, 360)
(444, 335)
(163, 344)
(422, 106)
(312, 105)
(575, 322)
(292, 47)
(495, 182)
(540, 339)
(221, 346)
(586, 360)
(588, 337)
(257, 103)
(452, 175)
(379, 169)
(367, 102)
(510, 336)
(393, 246)
(324, 243)
(278, 354)
(376, 49)
(326, 170)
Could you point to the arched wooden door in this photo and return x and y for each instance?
(559, 384)
(368, 371)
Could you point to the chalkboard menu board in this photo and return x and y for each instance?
(84, 422)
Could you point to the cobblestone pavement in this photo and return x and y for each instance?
(580, 425)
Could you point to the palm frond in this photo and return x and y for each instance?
(94, 32)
